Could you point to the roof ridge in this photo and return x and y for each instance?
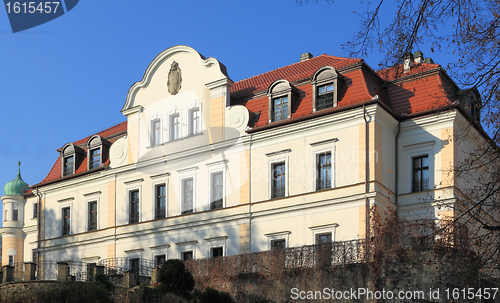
(96, 133)
(293, 64)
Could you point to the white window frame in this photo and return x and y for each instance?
(213, 168)
(419, 150)
(130, 186)
(155, 184)
(188, 173)
(215, 242)
(159, 250)
(11, 252)
(185, 247)
(274, 158)
(179, 133)
(326, 146)
(152, 132)
(323, 229)
(278, 236)
(191, 130)
(33, 210)
(61, 218)
(94, 197)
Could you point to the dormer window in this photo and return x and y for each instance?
(95, 158)
(69, 166)
(470, 100)
(325, 88)
(280, 108)
(71, 157)
(280, 97)
(97, 149)
(324, 97)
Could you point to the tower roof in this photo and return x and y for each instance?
(17, 186)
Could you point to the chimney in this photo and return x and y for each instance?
(305, 56)
(428, 60)
(408, 61)
(419, 57)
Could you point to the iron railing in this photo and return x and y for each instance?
(330, 254)
(115, 266)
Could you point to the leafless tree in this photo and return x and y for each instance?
(468, 30)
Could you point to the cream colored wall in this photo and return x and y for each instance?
(430, 135)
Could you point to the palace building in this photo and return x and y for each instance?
(203, 166)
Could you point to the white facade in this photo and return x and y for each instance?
(200, 154)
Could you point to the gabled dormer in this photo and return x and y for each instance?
(325, 87)
(71, 156)
(280, 97)
(97, 151)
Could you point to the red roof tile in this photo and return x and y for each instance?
(397, 72)
(294, 72)
(418, 95)
(111, 134)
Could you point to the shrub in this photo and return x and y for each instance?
(211, 295)
(173, 277)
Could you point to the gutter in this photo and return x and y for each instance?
(367, 176)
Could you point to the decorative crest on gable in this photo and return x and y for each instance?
(174, 79)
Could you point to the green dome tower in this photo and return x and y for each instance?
(16, 187)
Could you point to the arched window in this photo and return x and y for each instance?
(280, 97)
(325, 88)
(71, 155)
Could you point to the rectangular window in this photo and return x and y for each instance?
(35, 210)
(420, 173)
(92, 215)
(187, 255)
(187, 196)
(324, 171)
(11, 260)
(194, 117)
(160, 259)
(278, 244)
(161, 201)
(323, 238)
(15, 215)
(216, 252)
(134, 265)
(95, 158)
(278, 180)
(66, 223)
(134, 206)
(34, 256)
(174, 127)
(324, 96)
(155, 132)
(280, 108)
(217, 190)
(68, 166)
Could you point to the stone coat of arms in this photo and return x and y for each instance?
(174, 79)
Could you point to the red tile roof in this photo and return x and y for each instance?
(421, 88)
(397, 72)
(111, 134)
(291, 73)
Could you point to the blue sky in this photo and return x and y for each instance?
(68, 78)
